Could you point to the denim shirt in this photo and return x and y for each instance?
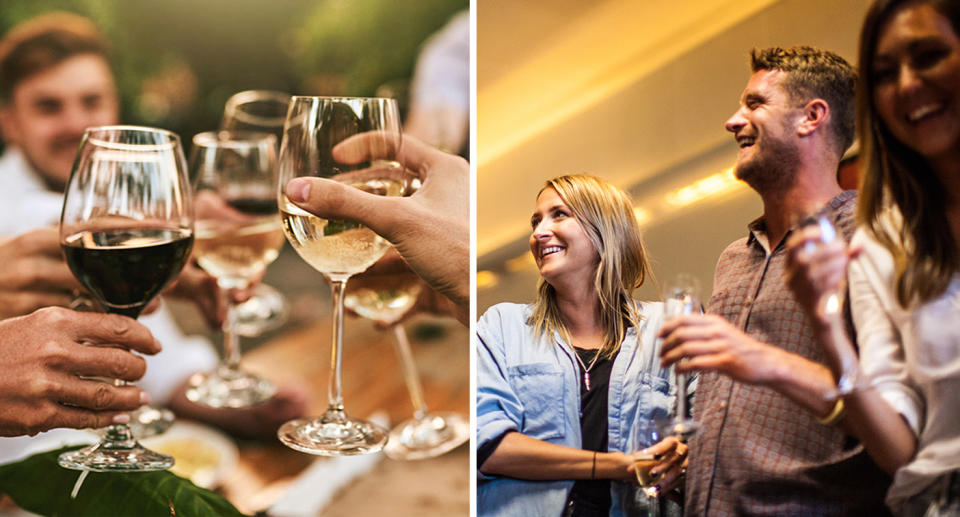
(529, 384)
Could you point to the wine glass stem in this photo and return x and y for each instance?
(410, 372)
(335, 389)
(681, 396)
(231, 341)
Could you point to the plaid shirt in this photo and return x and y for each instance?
(759, 453)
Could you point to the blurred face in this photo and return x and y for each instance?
(764, 128)
(916, 76)
(559, 243)
(49, 111)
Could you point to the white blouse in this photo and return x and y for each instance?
(912, 357)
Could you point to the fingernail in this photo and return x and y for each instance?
(144, 397)
(122, 418)
(298, 189)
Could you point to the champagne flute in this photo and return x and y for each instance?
(126, 230)
(370, 129)
(238, 235)
(645, 434)
(427, 434)
(682, 298)
(260, 111)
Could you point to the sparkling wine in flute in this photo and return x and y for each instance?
(643, 465)
(125, 268)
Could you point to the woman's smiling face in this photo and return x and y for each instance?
(559, 244)
(916, 77)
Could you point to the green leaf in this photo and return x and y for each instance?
(39, 485)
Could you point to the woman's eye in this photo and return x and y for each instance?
(883, 75)
(929, 57)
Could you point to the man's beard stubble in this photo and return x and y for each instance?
(772, 169)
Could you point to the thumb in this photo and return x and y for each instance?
(334, 200)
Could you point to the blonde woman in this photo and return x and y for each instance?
(561, 383)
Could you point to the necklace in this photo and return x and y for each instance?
(586, 369)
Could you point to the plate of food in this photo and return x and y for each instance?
(202, 454)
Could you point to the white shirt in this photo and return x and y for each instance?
(912, 357)
(26, 204)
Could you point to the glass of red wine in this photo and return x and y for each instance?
(126, 230)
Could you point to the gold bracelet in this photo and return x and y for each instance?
(835, 415)
(593, 471)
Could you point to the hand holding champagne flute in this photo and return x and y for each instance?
(126, 230)
(338, 248)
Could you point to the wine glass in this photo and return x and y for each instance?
(426, 435)
(126, 231)
(645, 434)
(362, 128)
(681, 298)
(261, 111)
(238, 235)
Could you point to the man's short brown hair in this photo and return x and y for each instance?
(812, 73)
(42, 42)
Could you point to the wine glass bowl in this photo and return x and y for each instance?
(126, 231)
(261, 111)
(354, 141)
(237, 236)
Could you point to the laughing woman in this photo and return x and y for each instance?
(562, 383)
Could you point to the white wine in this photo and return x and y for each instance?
(643, 465)
(230, 250)
(337, 246)
(386, 304)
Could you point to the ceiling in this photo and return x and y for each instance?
(635, 92)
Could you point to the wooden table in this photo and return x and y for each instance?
(372, 383)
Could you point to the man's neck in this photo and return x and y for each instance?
(808, 193)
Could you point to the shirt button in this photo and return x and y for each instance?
(721, 406)
(748, 302)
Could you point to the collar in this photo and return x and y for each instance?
(758, 227)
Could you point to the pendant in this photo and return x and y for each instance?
(586, 380)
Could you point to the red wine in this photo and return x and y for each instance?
(125, 268)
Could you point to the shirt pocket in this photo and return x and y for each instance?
(539, 386)
(656, 400)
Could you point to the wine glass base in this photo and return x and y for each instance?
(265, 310)
(427, 437)
(229, 388)
(147, 421)
(333, 436)
(103, 457)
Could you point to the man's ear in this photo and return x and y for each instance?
(815, 114)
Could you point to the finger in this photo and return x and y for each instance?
(333, 200)
(112, 363)
(79, 418)
(40, 241)
(99, 396)
(371, 145)
(152, 307)
(49, 273)
(113, 329)
(661, 448)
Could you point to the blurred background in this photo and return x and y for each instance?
(177, 61)
(636, 93)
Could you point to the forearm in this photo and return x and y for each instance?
(522, 457)
(805, 382)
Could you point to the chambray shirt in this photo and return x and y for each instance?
(530, 384)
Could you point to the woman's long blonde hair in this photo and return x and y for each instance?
(894, 175)
(606, 214)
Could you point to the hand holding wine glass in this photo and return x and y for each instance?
(126, 230)
(338, 248)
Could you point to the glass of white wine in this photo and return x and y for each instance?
(262, 111)
(355, 141)
(237, 236)
(386, 299)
